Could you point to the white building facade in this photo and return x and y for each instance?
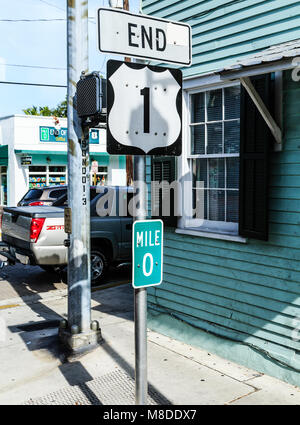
(33, 153)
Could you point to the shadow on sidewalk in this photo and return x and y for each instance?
(76, 374)
(43, 335)
(125, 366)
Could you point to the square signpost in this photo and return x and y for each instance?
(149, 100)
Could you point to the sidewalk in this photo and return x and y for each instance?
(32, 370)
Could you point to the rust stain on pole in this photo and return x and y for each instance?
(72, 147)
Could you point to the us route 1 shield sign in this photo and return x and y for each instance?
(147, 253)
(144, 37)
(144, 109)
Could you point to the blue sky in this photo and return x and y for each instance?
(41, 44)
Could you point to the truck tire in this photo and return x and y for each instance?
(99, 266)
(49, 269)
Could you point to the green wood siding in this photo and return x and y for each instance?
(250, 292)
(224, 31)
(246, 292)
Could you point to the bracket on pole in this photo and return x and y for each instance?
(265, 113)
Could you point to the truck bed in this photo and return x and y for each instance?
(49, 247)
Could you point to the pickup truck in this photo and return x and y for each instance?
(35, 235)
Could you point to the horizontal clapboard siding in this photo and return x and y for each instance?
(247, 292)
(225, 31)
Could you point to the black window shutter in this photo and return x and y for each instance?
(163, 169)
(254, 158)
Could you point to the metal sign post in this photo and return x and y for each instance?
(140, 303)
(149, 100)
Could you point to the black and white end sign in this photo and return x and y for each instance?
(144, 37)
(144, 109)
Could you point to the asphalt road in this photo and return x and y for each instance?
(20, 280)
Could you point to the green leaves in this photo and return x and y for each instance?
(60, 110)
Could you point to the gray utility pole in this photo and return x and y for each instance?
(78, 334)
(140, 301)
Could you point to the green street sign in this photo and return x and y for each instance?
(48, 134)
(147, 255)
(44, 133)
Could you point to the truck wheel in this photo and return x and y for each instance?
(49, 269)
(99, 266)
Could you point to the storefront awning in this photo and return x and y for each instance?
(58, 157)
(40, 152)
(4, 155)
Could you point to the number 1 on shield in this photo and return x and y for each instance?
(146, 93)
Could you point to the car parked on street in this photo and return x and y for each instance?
(42, 195)
(35, 235)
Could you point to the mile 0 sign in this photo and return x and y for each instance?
(144, 109)
(147, 253)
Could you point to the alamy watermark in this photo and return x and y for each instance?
(156, 198)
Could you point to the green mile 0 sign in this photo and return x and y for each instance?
(147, 255)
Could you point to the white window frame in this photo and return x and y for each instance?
(187, 224)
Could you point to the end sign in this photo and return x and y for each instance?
(144, 37)
(147, 246)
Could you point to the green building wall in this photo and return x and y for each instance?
(224, 31)
(241, 301)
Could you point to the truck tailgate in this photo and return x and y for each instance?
(16, 221)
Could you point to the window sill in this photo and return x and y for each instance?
(211, 235)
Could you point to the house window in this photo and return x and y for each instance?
(214, 153)
(224, 167)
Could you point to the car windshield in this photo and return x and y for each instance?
(62, 201)
(33, 194)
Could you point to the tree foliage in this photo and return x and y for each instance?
(59, 111)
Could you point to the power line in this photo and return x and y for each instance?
(32, 20)
(56, 7)
(91, 19)
(33, 66)
(32, 84)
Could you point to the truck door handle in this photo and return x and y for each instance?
(128, 226)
